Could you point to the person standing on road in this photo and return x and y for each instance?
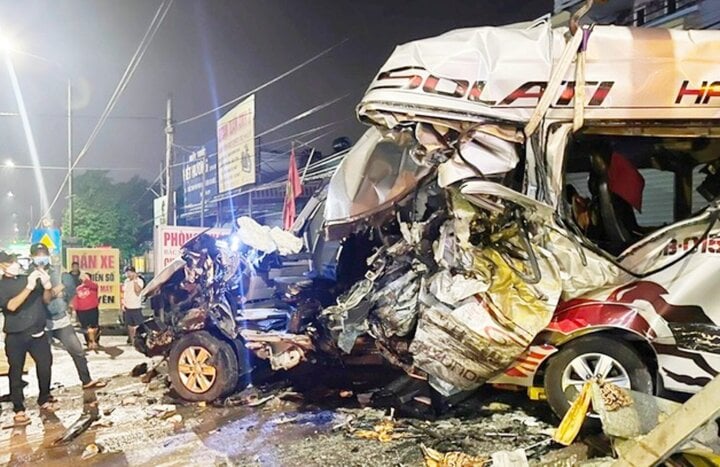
(72, 279)
(58, 323)
(75, 273)
(23, 301)
(132, 304)
(86, 305)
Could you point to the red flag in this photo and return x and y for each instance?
(292, 191)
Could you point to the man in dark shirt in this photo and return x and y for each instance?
(71, 280)
(24, 300)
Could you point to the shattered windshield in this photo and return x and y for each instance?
(376, 173)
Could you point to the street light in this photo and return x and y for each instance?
(7, 47)
(6, 44)
(10, 194)
(9, 164)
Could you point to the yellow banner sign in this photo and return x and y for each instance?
(236, 146)
(103, 264)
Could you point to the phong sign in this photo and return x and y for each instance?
(103, 264)
(169, 239)
(236, 146)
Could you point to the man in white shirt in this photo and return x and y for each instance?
(132, 305)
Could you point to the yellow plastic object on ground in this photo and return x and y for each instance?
(575, 416)
(698, 458)
(536, 393)
(383, 432)
(435, 458)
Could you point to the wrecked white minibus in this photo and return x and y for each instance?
(532, 206)
(548, 147)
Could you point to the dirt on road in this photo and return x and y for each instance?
(136, 423)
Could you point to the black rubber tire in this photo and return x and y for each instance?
(640, 377)
(222, 357)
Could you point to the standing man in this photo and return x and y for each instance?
(132, 305)
(58, 323)
(71, 280)
(23, 301)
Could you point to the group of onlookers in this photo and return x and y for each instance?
(36, 306)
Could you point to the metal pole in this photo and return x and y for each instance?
(310, 158)
(202, 193)
(69, 158)
(169, 191)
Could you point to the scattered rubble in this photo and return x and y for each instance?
(139, 369)
(90, 451)
(614, 397)
(435, 458)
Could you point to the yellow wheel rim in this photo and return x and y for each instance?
(196, 374)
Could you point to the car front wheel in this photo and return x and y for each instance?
(599, 358)
(202, 367)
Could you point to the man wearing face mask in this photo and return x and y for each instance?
(58, 323)
(23, 301)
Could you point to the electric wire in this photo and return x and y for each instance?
(264, 85)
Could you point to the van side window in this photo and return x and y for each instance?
(621, 188)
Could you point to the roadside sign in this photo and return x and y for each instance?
(50, 237)
(170, 238)
(103, 264)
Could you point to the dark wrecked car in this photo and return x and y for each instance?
(488, 229)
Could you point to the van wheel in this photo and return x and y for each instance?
(202, 367)
(593, 357)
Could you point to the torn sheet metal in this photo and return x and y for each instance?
(453, 288)
(348, 319)
(468, 343)
(396, 304)
(283, 350)
(581, 270)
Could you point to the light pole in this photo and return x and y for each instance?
(69, 158)
(8, 47)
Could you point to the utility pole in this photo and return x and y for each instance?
(202, 193)
(169, 190)
(69, 158)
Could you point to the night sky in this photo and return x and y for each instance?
(205, 53)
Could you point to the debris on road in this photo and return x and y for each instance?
(90, 451)
(435, 458)
(516, 458)
(86, 419)
(139, 369)
(575, 416)
(614, 397)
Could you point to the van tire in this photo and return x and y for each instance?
(202, 367)
(625, 359)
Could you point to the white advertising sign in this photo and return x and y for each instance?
(236, 146)
(170, 238)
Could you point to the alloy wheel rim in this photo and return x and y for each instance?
(594, 366)
(196, 373)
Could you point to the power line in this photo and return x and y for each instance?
(305, 132)
(77, 117)
(266, 84)
(62, 167)
(302, 115)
